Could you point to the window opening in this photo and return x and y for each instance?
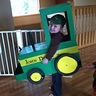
(24, 7)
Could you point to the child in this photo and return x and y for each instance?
(94, 76)
(56, 24)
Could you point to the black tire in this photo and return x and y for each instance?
(67, 64)
(35, 76)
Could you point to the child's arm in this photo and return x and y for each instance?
(55, 41)
(50, 54)
(90, 66)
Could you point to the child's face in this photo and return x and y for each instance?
(54, 28)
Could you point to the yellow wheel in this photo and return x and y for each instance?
(67, 64)
(35, 76)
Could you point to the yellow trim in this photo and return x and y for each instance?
(68, 50)
(31, 60)
(36, 59)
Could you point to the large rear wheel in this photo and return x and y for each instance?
(67, 64)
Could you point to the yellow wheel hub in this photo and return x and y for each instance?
(35, 76)
(67, 64)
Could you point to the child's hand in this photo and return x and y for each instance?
(88, 67)
(45, 61)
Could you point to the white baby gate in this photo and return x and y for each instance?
(11, 42)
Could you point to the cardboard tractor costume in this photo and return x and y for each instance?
(66, 60)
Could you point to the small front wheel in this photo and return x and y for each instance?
(35, 76)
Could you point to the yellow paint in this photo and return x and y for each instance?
(31, 60)
(35, 77)
(68, 50)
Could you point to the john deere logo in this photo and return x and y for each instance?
(30, 61)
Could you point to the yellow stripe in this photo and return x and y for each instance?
(36, 59)
(31, 60)
(68, 50)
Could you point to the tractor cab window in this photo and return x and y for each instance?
(65, 29)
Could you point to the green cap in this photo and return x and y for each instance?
(58, 19)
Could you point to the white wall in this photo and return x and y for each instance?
(84, 2)
(6, 19)
(0, 48)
